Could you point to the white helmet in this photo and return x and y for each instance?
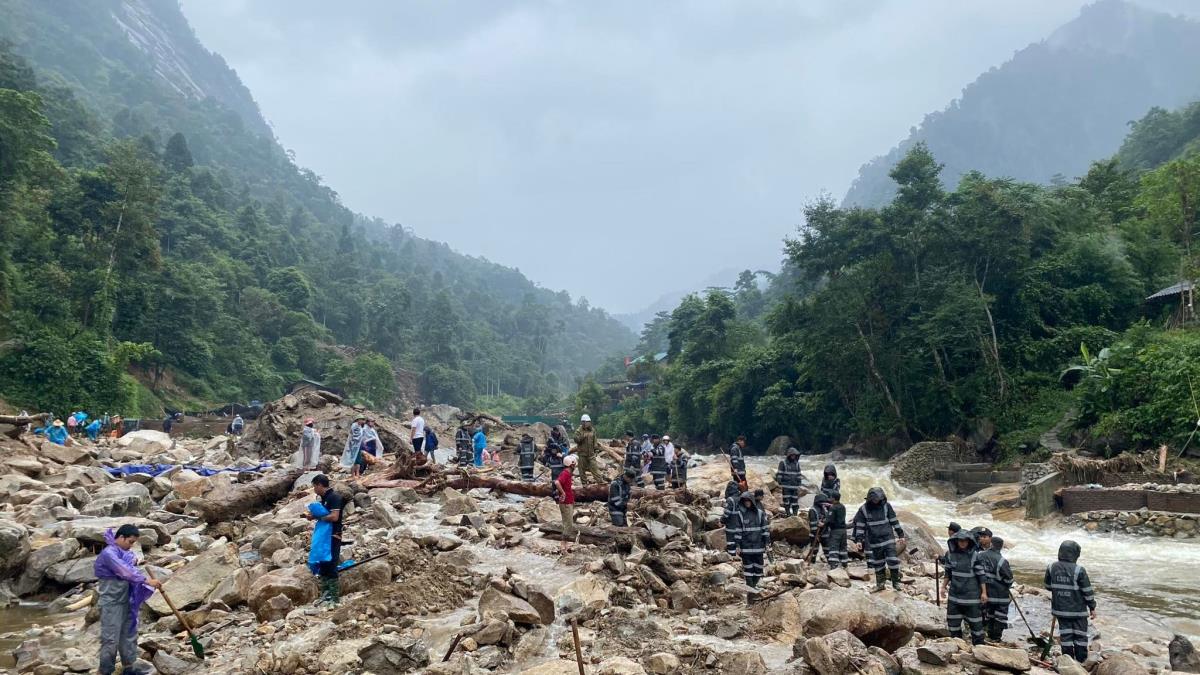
(585, 418)
(570, 460)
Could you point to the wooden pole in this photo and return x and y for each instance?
(453, 644)
(578, 651)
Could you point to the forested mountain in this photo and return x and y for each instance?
(946, 309)
(1056, 105)
(153, 226)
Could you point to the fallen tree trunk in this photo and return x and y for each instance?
(24, 419)
(594, 492)
(244, 500)
(600, 535)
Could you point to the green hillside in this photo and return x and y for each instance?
(153, 226)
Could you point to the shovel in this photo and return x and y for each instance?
(197, 648)
(1038, 641)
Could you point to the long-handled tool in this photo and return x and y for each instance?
(578, 651)
(197, 648)
(937, 581)
(351, 564)
(1049, 640)
(1034, 639)
(815, 544)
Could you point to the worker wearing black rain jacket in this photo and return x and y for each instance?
(737, 456)
(733, 491)
(526, 454)
(552, 457)
(752, 538)
(619, 493)
(835, 525)
(818, 522)
(633, 456)
(658, 465)
(1072, 600)
(830, 480)
(877, 530)
(965, 583)
(999, 583)
(789, 477)
(464, 454)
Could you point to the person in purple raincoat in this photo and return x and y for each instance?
(123, 589)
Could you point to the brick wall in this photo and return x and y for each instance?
(1080, 500)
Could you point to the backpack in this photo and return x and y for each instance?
(431, 440)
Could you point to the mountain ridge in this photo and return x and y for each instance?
(1056, 104)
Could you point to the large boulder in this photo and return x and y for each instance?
(779, 445)
(870, 618)
(793, 530)
(191, 584)
(1119, 664)
(1016, 660)
(390, 653)
(455, 503)
(1184, 658)
(78, 476)
(741, 663)
(73, 572)
(232, 590)
(12, 483)
(295, 583)
(920, 536)
(588, 592)
(91, 530)
(493, 602)
(40, 560)
(146, 441)
(835, 653)
(119, 499)
(14, 546)
(373, 574)
(64, 454)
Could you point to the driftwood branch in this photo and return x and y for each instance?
(246, 499)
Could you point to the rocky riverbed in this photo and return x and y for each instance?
(472, 569)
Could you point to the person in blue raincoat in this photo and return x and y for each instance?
(57, 433)
(479, 441)
(93, 429)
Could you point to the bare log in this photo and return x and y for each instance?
(21, 420)
(600, 535)
(246, 499)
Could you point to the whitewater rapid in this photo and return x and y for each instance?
(1145, 585)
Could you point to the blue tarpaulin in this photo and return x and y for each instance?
(159, 469)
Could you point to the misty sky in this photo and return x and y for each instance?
(619, 150)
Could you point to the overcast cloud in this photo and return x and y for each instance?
(619, 150)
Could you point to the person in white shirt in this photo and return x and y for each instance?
(670, 447)
(418, 431)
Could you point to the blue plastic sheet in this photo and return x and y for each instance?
(159, 469)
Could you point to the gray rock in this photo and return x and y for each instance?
(14, 546)
(1184, 658)
(40, 560)
(119, 499)
(390, 653)
(166, 664)
(72, 572)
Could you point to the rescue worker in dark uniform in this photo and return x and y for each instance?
(818, 517)
(1072, 600)
(951, 530)
(733, 492)
(658, 463)
(788, 476)
(737, 456)
(965, 585)
(526, 455)
(552, 457)
(633, 456)
(999, 583)
(830, 480)
(619, 492)
(835, 524)
(464, 453)
(876, 531)
(752, 538)
(679, 469)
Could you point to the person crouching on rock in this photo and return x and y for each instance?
(965, 587)
(122, 590)
(877, 532)
(619, 493)
(562, 489)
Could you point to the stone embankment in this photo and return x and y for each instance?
(1142, 523)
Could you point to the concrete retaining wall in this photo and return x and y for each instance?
(1039, 496)
(971, 478)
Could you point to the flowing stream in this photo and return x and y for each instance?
(1146, 586)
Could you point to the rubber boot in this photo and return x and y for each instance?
(335, 592)
(323, 596)
(896, 579)
(880, 579)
